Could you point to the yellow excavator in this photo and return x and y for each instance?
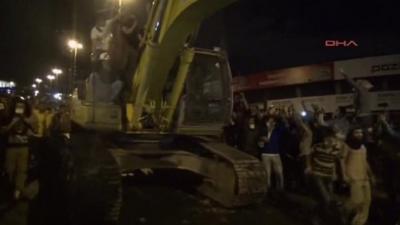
(187, 94)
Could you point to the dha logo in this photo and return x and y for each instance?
(339, 43)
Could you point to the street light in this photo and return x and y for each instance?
(74, 46)
(57, 96)
(121, 4)
(38, 80)
(51, 77)
(34, 86)
(57, 71)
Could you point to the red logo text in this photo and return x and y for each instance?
(340, 43)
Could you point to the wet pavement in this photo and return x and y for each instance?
(158, 204)
(154, 205)
(16, 216)
(165, 204)
(165, 198)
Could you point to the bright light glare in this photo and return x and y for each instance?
(11, 84)
(36, 92)
(303, 113)
(73, 44)
(57, 71)
(58, 96)
(51, 77)
(38, 80)
(34, 86)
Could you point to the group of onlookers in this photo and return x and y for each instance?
(304, 151)
(24, 125)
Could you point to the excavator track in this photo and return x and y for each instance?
(251, 178)
(230, 177)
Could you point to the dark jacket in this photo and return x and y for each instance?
(274, 145)
(251, 141)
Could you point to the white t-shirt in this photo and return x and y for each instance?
(101, 36)
(356, 164)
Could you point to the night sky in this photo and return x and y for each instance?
(258, 34)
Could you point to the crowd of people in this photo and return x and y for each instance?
(24, 127)
(117, 38)
(306, 151)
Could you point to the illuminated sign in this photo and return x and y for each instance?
(385, 67)
(5, 84)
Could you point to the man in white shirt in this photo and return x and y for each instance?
(359, 176)
(101, 36)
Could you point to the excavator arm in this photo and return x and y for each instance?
(171, 24)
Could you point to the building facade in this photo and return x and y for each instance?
(323, 84)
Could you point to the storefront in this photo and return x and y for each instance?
(323, 84)
(7, 87)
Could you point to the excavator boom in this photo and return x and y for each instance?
(170, 25)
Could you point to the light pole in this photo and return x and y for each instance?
(119, 6)
(36, 85)
(51, 77)
(38, 80)
(57, 72)
(74, 46)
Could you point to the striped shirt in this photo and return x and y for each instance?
(323, 160)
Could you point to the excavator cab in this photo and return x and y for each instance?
(206, 102)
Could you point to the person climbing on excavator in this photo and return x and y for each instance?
(115, 42)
